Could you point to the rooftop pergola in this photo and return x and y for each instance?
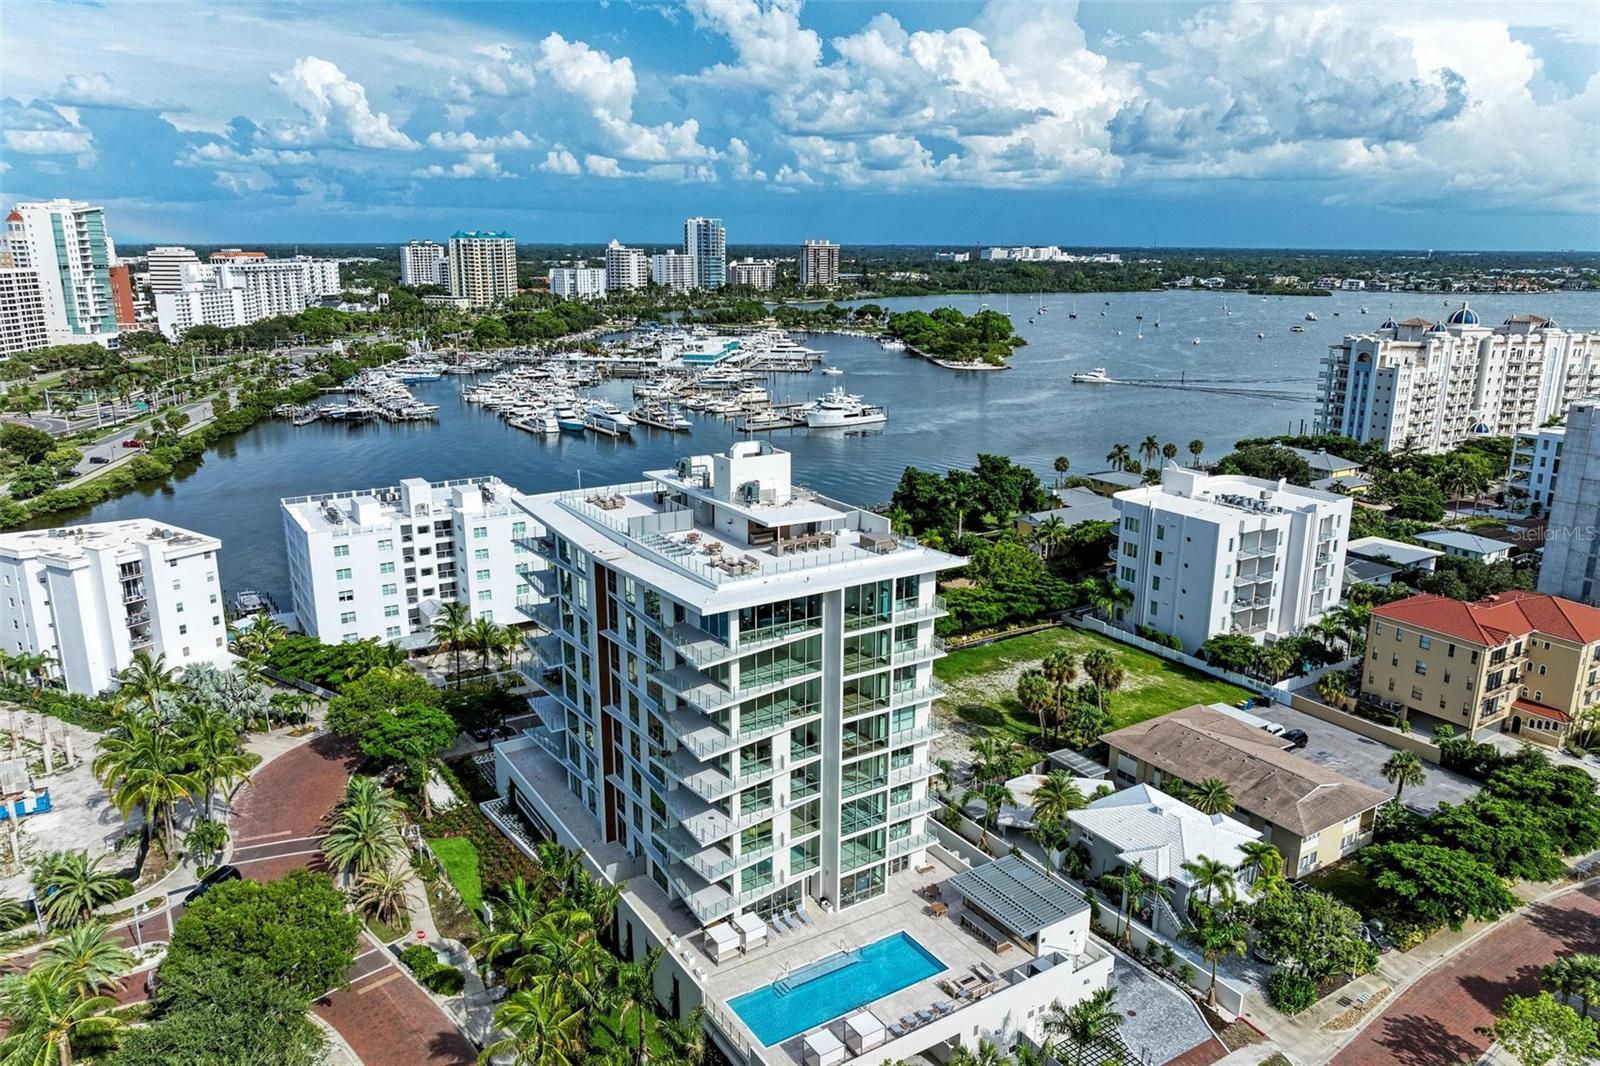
(1017, 896)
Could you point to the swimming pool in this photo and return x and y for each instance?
(832, 986)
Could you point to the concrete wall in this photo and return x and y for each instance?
(1417, 745)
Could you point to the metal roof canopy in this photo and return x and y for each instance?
(1079, 764)
(1018, 895)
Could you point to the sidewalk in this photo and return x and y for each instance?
(473, 1010)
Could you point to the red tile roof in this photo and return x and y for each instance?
(1540, 710)
(14, 216)
(1492, 621)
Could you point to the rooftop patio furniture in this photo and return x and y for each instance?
(909, 1022)
(943, 1007)
(800, 912)
(985, 971)
(897, 1030)
(822, 1048)
(985, 932)
(925, 1016)
(939, 909)
(863, 1032)
(925, 868)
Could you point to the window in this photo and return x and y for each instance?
(1161, 532)
(1158, 559)
(341, 551)
(1155, 584)
(386, 545)
(1130, 549)
(342, 574)
(385, 568)
(480, 532)
(183, 629)
(1422, 668)
(1131, 524)
(347, 618)
(1126, 573)
(392, 632)
(485, 595)
(391, 589)
(347, 595)
(1424, 642)
(480, 555)
(519, 529)
(392, 611)
(481, 575)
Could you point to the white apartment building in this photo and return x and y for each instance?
(578, 283)
(1571, 564)
(819, 265)
(626, 268)
(483, 266)
(675, 271)
(737, 730)
(1439, 383)
(167, 267)
(1204, 555)
(757, 274)
(64, 242)
(93, 596)
(379, 563)
(22, 320)
(424, 263)
(707, 242)
(237, 288)
(1535, 462)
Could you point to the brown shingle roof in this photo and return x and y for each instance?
(1265, 779)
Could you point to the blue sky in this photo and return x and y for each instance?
(1401, 124)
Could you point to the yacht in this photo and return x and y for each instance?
(1311, 316)
(832, 371)
(536, 423)
(607, 418)
(840, 408)
(568, 419)
(890, 344)
(1097, 376)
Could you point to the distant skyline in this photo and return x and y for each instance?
(1304, 125)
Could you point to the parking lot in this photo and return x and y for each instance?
(1362, 759)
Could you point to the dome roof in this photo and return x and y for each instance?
(1481, 427)
(1463, 316)
(1389, 323)
(1437, 327)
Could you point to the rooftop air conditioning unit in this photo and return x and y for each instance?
(750, 492)
(685, 467)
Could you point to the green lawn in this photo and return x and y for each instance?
(981, 682)
(460, 858)
(1345, 882)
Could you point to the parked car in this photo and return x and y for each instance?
(211, 880)
(1297, 738)
(1373, 933)
(98, 459)
(1261, 954)
(133, 443)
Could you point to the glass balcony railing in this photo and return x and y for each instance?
(910, 843)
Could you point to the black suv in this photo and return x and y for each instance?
(210, 880)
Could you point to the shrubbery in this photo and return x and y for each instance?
(438, 977)
(1291, 991)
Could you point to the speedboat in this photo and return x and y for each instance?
(832, 371)
(1097, 376)
(1195, 341)
(840, 408)
(1311, 316)
(1297, 328)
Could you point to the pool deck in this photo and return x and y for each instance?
(902, 907)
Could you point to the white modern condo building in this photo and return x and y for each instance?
(707, 241)
(1571, 564)
(380, 563)
(674, 270)
(237, 288)
(626, 268)
(424, 263)
(578, 283)
(1205, 555)
(740, 678)
(1437, 384)
(64, 244)
(1535, 468)
(93, 596)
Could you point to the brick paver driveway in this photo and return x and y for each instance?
(384, 1017)
(1433, 1022)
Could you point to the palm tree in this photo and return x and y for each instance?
(688, 1038)
(46, 1011)
(490, 640)
(1213, 875)
(1049, 534)
(1061, 670)
(1169, 451)
(1105, 597)
(382, 892)
(1118, 457)
(1150, 447)
(72, 886)
(1403, 768)
(633, 995)
(1217, 938)
(1061, 466)
(1332, 687)
(1262, 861)
(1135, 889)
(542, 1030)
(450, 629)
(992, 796)
(1210, 795)
(1036, 696)
(211, 747)
(1197, 447)
(89, 958)
(1086, 1026)
(145, 770)
(13, 912)
(148, 679)
(1274, 663)
(1573, 977)
(1055, 797)
(1097, 666)
(597, 898)
(206, 837)
(364, 835)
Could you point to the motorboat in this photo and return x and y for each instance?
(840, 408)
(1195, 341)
(543, 424)
(1311, 316)
(832, 371)
(568, 419)
(1297, 328)
(890, 344)
(608, 418)
(1097, 376)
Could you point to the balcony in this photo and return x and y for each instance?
(910, 843)
(902, 737)
(546, 614)
(853, 622)
(707, 740)
(133, 592)
(901, 775)
(541, 578)
(922, 805)
(915, 653)
(855, 663)
(696, 687)
(544, 547)
(934, 609)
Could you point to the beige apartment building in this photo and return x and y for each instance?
(1312, 815)
(1520, 662)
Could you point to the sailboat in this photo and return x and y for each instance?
(1225, 309)
(1074, 312)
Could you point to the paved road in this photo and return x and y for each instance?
(110, 447)
(1433, 1022)
(384, 1017)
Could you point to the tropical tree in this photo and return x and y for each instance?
(1210, 795)
(1263, 862)
(1538, 1031)
(1135, 889)
(1212, 875)
(72, 886)
(145, 768)
(1332, 687)
(1218, 938)
(207, 837)
(490, 640)
(1055, 797)
(1099, 666)
(1061, 466)
(541, 1030)
(1119, 456)
(451, 629)
(148, 680)
(1037, 697)
(382, 892)
(1149, 448)
(1061, 670)
(1197, 448)
(632, 999)
(46, 1012)
(1049, 534)
(1087, 1027)
(1401, 769)
(364, 834)
(1574, 977)
(991, 798)
(1169, 451)
(211, 747)
(89, 958)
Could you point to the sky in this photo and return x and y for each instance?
(1359, 125)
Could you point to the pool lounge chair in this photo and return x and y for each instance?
(925, 1016)
(779, 923)
(909, 1022)
(800, 912)
(943, 1007)
(896, 1030)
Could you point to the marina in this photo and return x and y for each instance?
(940, 420)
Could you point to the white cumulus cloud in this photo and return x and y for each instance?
(336, 109)
(560, 161)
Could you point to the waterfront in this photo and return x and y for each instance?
(937, 418)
